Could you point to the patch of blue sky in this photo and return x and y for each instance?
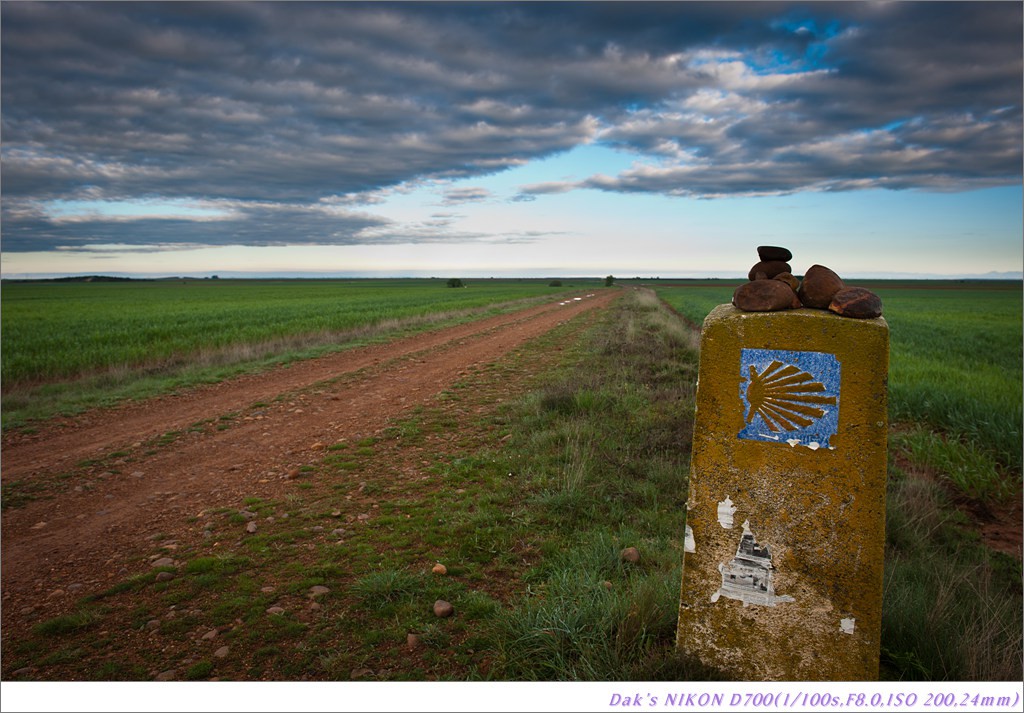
(576, 164)
(131, 209)
(803, 25)
(893, 125)
(819, 34)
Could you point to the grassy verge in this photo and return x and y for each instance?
(527, 480)
(952, 608)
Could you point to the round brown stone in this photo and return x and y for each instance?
(788, 278)
(856, 302)
(766, 270)
(443, 609)
(819, 287)
(764, 296)
(768, 253)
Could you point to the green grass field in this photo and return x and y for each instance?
(55, 330)
(73, 345)
(955, 372)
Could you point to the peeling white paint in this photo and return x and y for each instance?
(847, 625)
(813, 445)
(689, 545)
(748, 577)
(725, 513)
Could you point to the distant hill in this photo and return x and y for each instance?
(92, 278)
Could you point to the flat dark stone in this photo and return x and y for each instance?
(819, 287)
(764, 296)
(770, 253)
(856, 302)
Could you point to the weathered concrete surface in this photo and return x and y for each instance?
(805, 603)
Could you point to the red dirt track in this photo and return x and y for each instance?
(88, 535)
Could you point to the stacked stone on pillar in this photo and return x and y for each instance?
(785, 530)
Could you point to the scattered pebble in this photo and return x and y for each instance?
(767, 269)
(772, 252)
(222, 652)
(819, 287)
(167, 675)
(318, 591)
(443, 609)
(210, 635)
(856, 302)
(412, 641)
(631, 554)
(765, 296)
(164, 576)
(251, 527)
(439, 569)
(163, 562)
(275, 610)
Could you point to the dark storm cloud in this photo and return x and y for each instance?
(27, 229)
(296, 106)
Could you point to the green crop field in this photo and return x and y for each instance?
(955, 368)
(58, 330)
(72, 345)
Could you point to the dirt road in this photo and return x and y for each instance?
(150, 465)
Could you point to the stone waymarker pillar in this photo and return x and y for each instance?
(782, 574)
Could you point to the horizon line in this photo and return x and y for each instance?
(533, 275)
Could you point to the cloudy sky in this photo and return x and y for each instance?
(539, 138)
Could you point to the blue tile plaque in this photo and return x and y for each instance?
(789, 397)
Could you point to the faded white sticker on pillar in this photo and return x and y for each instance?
(690, 544)
(725, 513)
(748, 576)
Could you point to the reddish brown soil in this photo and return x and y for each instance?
(281, 420)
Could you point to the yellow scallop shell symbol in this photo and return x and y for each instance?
(785, 397)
